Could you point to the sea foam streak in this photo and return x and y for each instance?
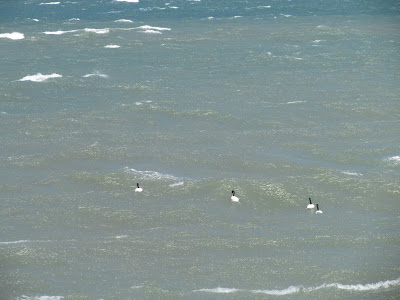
(112, 46)
(150, 174)
(12, 36)
(295, 289)
(39, 77)
(50, 3)
(96, 74)
(130, 1)
(23, 297)
(394, 159)
(59, 32)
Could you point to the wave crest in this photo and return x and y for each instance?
(295, 289)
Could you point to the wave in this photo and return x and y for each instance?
(96, 74)
(15, 242)
(59, 32)
(152, 31)
(39, 77)
(50, 3)
(176, 184)
(296, 289)
(12, 36)
(123, 21)
(130, 1)
(394, 160)
(148, 27)
(98, 31)
(351, 173)
(112, 46)
(153, 175)
(23, 297)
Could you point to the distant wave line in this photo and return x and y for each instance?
(295, 289)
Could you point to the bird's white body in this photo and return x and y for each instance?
(318, 210)
(234, 198)
(310, 206)
(138, 189)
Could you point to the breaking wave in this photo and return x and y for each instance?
(296, 289)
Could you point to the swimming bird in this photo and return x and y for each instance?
(318, 210)
(234, 198)
(310, 206)
(138, 189)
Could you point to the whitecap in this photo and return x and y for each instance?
(130, 1)
(219, 290)
(74, 19)
(150, 174)
(96, 74)
(394, 159)
(289, 290)
(58, 32)
(359, 287)
(23, 297)
(151, 31)
(123, 21)
(236, 17)
(15, 242)
(176, 184)
(351, 173)
(296, 289)
(12, 36)
(121, 236)
(50, 3)
(98, 31)
(112, 46)
(39, 77)
(148, 27)
(294, 102)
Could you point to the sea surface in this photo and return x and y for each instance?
(278, 100)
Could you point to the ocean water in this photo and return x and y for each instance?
(278, 100)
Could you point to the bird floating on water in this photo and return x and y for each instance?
(138, 189)
(234, 198)
(310, 206)
(318, 210)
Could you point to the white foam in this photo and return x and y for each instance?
(152, 31)
(96, 74)
(58, 32)
(39, 77)
(130, 1)
(23, 297)
(50, 3)
(112, 46)
(289, 290)
(176, 184)
(121, 236)
(74, 19)
(296, 289)
(148, 27)
(15, 242)
(235, 17)
(351, 173)
(359, 287)
(394, 159)
(12, 36)
(294, 102)
(150, 174)
(123, 21)
(98, 31)
(219, 290)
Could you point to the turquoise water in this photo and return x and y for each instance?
(277, 100)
